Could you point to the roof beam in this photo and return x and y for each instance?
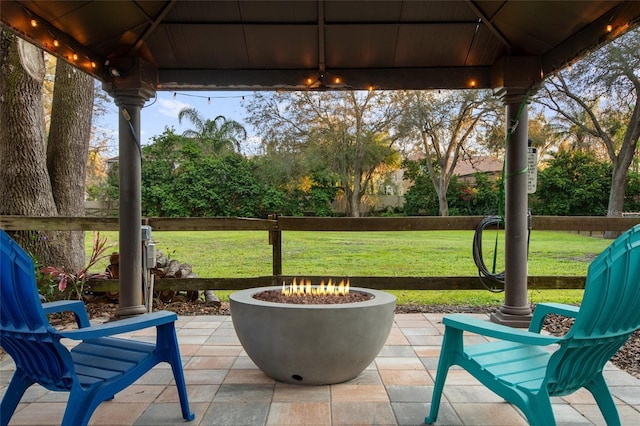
(153, 25)
(359, 79)
(489, 24)
(622, 18)
(321, 53)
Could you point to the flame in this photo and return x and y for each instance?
(304, 287)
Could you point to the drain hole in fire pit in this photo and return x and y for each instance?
(297, 377)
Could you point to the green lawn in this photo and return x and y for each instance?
(411, 253)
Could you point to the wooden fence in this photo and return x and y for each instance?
(275, 225)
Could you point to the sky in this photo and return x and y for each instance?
(162, 112)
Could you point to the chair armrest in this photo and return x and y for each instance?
(544, 309)
(498, 331)
(126, 325)
(75, 306)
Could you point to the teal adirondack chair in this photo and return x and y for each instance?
(94, 370)
(526, 367)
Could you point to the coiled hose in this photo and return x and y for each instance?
(489, 279)
(492, 281)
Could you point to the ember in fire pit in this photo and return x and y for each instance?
(306, 294)
(312, 344)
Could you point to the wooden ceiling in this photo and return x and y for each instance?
(323, 44)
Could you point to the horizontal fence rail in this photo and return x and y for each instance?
(286, 223)
(275, 225)
(377, 283)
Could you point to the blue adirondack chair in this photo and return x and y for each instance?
(522, 368)
(94, 370)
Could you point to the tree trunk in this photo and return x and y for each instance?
(616, 194)
(355, 195)
(621, 168)
(443, 204)
(441, 190)
(68, 149)
(25, 188)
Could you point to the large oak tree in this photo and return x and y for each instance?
(443, 125)
(351, 132)
(40, 174)
(598, 99)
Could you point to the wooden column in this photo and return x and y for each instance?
(515, 80)
(130, 91)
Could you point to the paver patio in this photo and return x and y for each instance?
(226, 388)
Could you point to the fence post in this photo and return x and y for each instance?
(275, 239)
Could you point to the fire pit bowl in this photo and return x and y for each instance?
(312, 344)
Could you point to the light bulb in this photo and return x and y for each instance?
(34, 23)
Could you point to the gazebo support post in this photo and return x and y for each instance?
(515, 80)
(130, 93)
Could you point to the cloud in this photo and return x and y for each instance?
(170, 107)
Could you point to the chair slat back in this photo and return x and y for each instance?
(609, 313)
(574, 365)
(611, 302)
(25, 332)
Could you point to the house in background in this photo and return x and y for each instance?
(468, 166)
(390, 191)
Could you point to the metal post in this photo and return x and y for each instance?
(130, 91)
(516, 310)
(514, 79)
(148, 263)
(275, 239)
(130, 241)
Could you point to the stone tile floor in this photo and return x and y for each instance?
(226, 388)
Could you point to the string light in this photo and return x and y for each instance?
(43, 32)
(82, 60)
(309, 81)
(208, 98)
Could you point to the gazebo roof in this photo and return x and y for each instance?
(137, 47)
(270, 45)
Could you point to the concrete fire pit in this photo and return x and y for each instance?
(312, 344)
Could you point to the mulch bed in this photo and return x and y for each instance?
(627, 358)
